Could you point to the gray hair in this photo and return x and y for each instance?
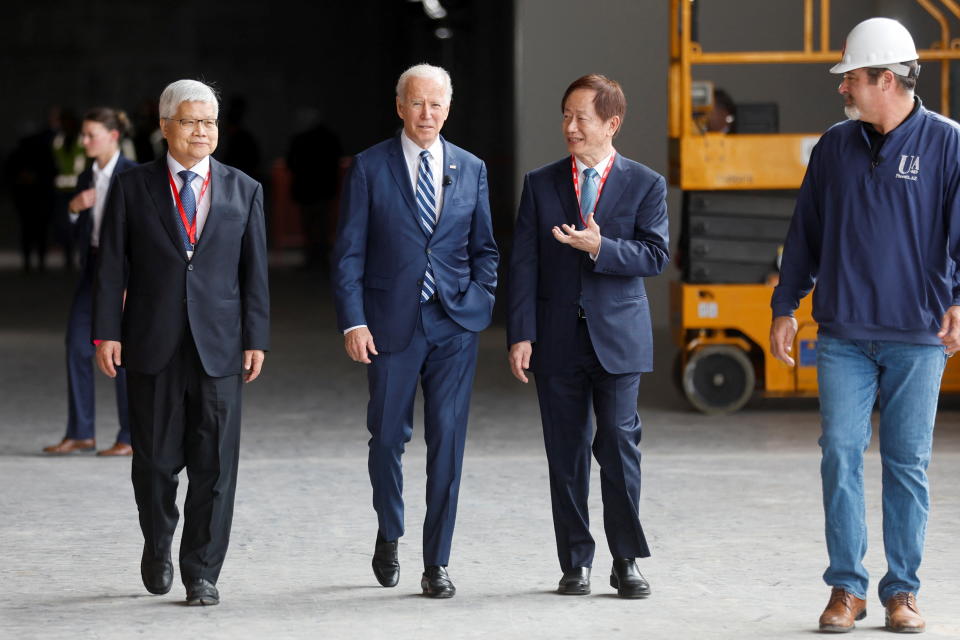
(907, 82)
(429, 72)
(186, 91)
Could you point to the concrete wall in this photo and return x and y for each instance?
(559, 40)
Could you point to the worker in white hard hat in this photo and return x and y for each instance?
(877, 229)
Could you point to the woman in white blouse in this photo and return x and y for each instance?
(101, 135)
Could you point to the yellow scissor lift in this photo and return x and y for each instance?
(722, 329)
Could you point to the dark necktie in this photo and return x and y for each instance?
(189, 202)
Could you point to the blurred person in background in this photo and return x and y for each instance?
(102, 130)
(313, 160)
(70, 158)
(723, 116)
(238, 147)
(148, 142)
(30, 172)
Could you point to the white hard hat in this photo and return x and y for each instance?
(878, 42)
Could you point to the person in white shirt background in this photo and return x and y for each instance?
(102, 132)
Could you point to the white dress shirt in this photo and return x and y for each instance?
(600, 168)
(101, 184)
(202, 169)
(411, 155)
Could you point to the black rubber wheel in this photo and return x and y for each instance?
(676, 373)
(718, 379)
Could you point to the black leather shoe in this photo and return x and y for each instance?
(627, 580)
(385, 564)
(157, 574)
(436, 583)
(575, 582)
(201, 592)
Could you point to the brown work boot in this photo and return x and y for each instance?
(903, 615)
(69, 445)
(841, 611)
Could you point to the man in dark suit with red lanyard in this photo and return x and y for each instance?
(194, 327)
(578, 318)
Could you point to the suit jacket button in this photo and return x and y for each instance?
(428, 251)
(419, 283)
(184, 301)
(189, 267)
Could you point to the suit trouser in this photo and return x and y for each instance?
(181, 417)
(443, 356)
(81, 389)
(565, 401)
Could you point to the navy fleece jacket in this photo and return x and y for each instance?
(879, 236)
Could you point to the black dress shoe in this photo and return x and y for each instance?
(627, 580)
(201, 592)
(575, 582)
(157, 574)
(436, 583)
(385, 564)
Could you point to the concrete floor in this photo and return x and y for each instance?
(731, 506)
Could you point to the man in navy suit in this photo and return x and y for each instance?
(590, 227)
(194, 327)
(414, 273)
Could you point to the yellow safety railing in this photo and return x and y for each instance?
(763, 161)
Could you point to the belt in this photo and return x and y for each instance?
(581, 314)
(432, 299)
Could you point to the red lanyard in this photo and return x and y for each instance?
(190, 227)
(603, 179)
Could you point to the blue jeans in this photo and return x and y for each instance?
(905, 379)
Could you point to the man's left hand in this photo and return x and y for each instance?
(949, 333)
(252, 363)
(587, 240)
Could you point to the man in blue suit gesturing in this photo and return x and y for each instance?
(414, 273)
(590, 227)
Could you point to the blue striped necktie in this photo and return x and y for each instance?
(427, 207)
(189, 202)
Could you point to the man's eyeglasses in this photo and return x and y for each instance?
(190, 124)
